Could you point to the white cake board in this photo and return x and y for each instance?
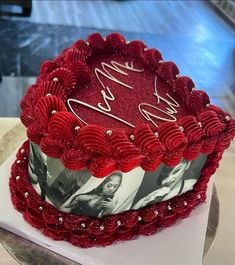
(180, 244)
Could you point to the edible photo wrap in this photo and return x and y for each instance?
(80, 193)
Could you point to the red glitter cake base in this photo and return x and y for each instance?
(84, 231)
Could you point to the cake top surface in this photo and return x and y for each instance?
(124, 92)
(107, 104)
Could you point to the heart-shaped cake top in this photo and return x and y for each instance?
(108, 104)
(123, 91)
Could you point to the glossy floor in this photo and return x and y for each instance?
(189, 33)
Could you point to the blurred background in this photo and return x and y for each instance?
(198, 36)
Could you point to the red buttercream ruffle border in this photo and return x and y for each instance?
(85, 231)
(104, 150)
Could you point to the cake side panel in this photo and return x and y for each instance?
(80, 193)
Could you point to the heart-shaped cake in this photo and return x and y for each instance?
(119, 144)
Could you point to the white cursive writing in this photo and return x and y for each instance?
(169, 111)
(115, 66)
(148, 111)
(70, 100)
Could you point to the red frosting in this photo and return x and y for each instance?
(136, 49)
(168, 71)
(152, 57)
(106, 145)
(197, 101)
(183, 85)
(97, 42)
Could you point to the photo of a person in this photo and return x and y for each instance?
(172, 181)
(66, 184)
(155, 196)
(98, 202)
(175, 180)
